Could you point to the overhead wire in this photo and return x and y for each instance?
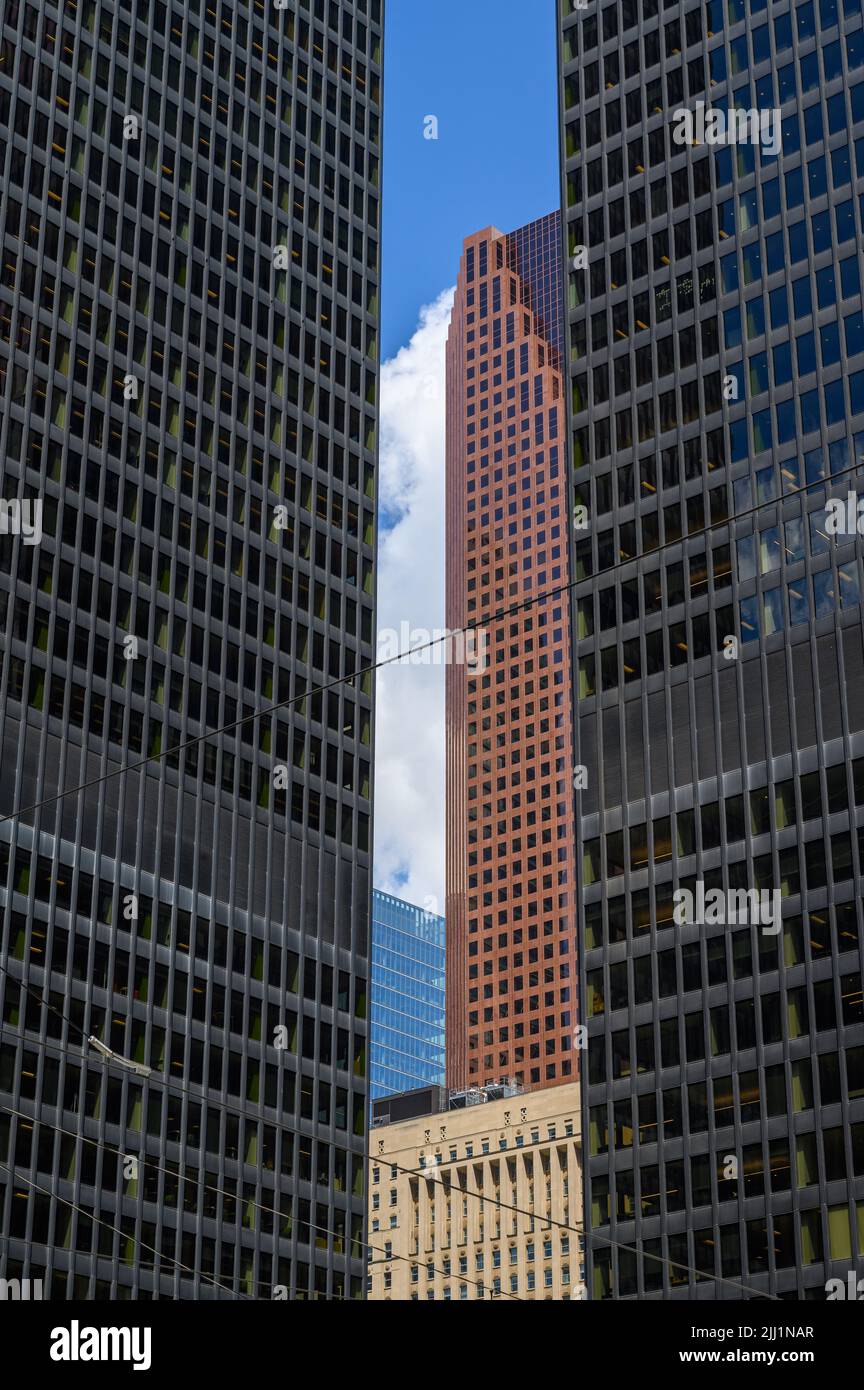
(480, 624)
(47, 1191)
(167, 1083)
(547, 596)
(149, 1162)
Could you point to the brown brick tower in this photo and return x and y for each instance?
(511, 881)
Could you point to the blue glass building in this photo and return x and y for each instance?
(407, 1032)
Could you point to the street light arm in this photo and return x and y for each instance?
(139, 1068)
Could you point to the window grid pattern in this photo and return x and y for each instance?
(709, 1045)
(510, 864)
(406, 1030)
(201, 429)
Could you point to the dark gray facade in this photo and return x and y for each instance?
(188, 382)
(716, 355)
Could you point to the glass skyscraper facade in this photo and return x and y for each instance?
(189, 209)
(406, 1028)
(715, 350)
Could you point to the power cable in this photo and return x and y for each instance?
(588, 1235)
(244, 1201)
(383, 1160)
(546, 597)
(46, 1191)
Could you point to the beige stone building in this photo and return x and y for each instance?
(441, 1182)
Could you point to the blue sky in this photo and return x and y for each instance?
(486, 69)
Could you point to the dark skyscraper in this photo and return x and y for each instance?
(510, 840)
(715, 349)
(188, 387)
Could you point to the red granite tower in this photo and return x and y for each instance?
(511, 889)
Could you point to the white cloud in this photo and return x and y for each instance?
(409, 752)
